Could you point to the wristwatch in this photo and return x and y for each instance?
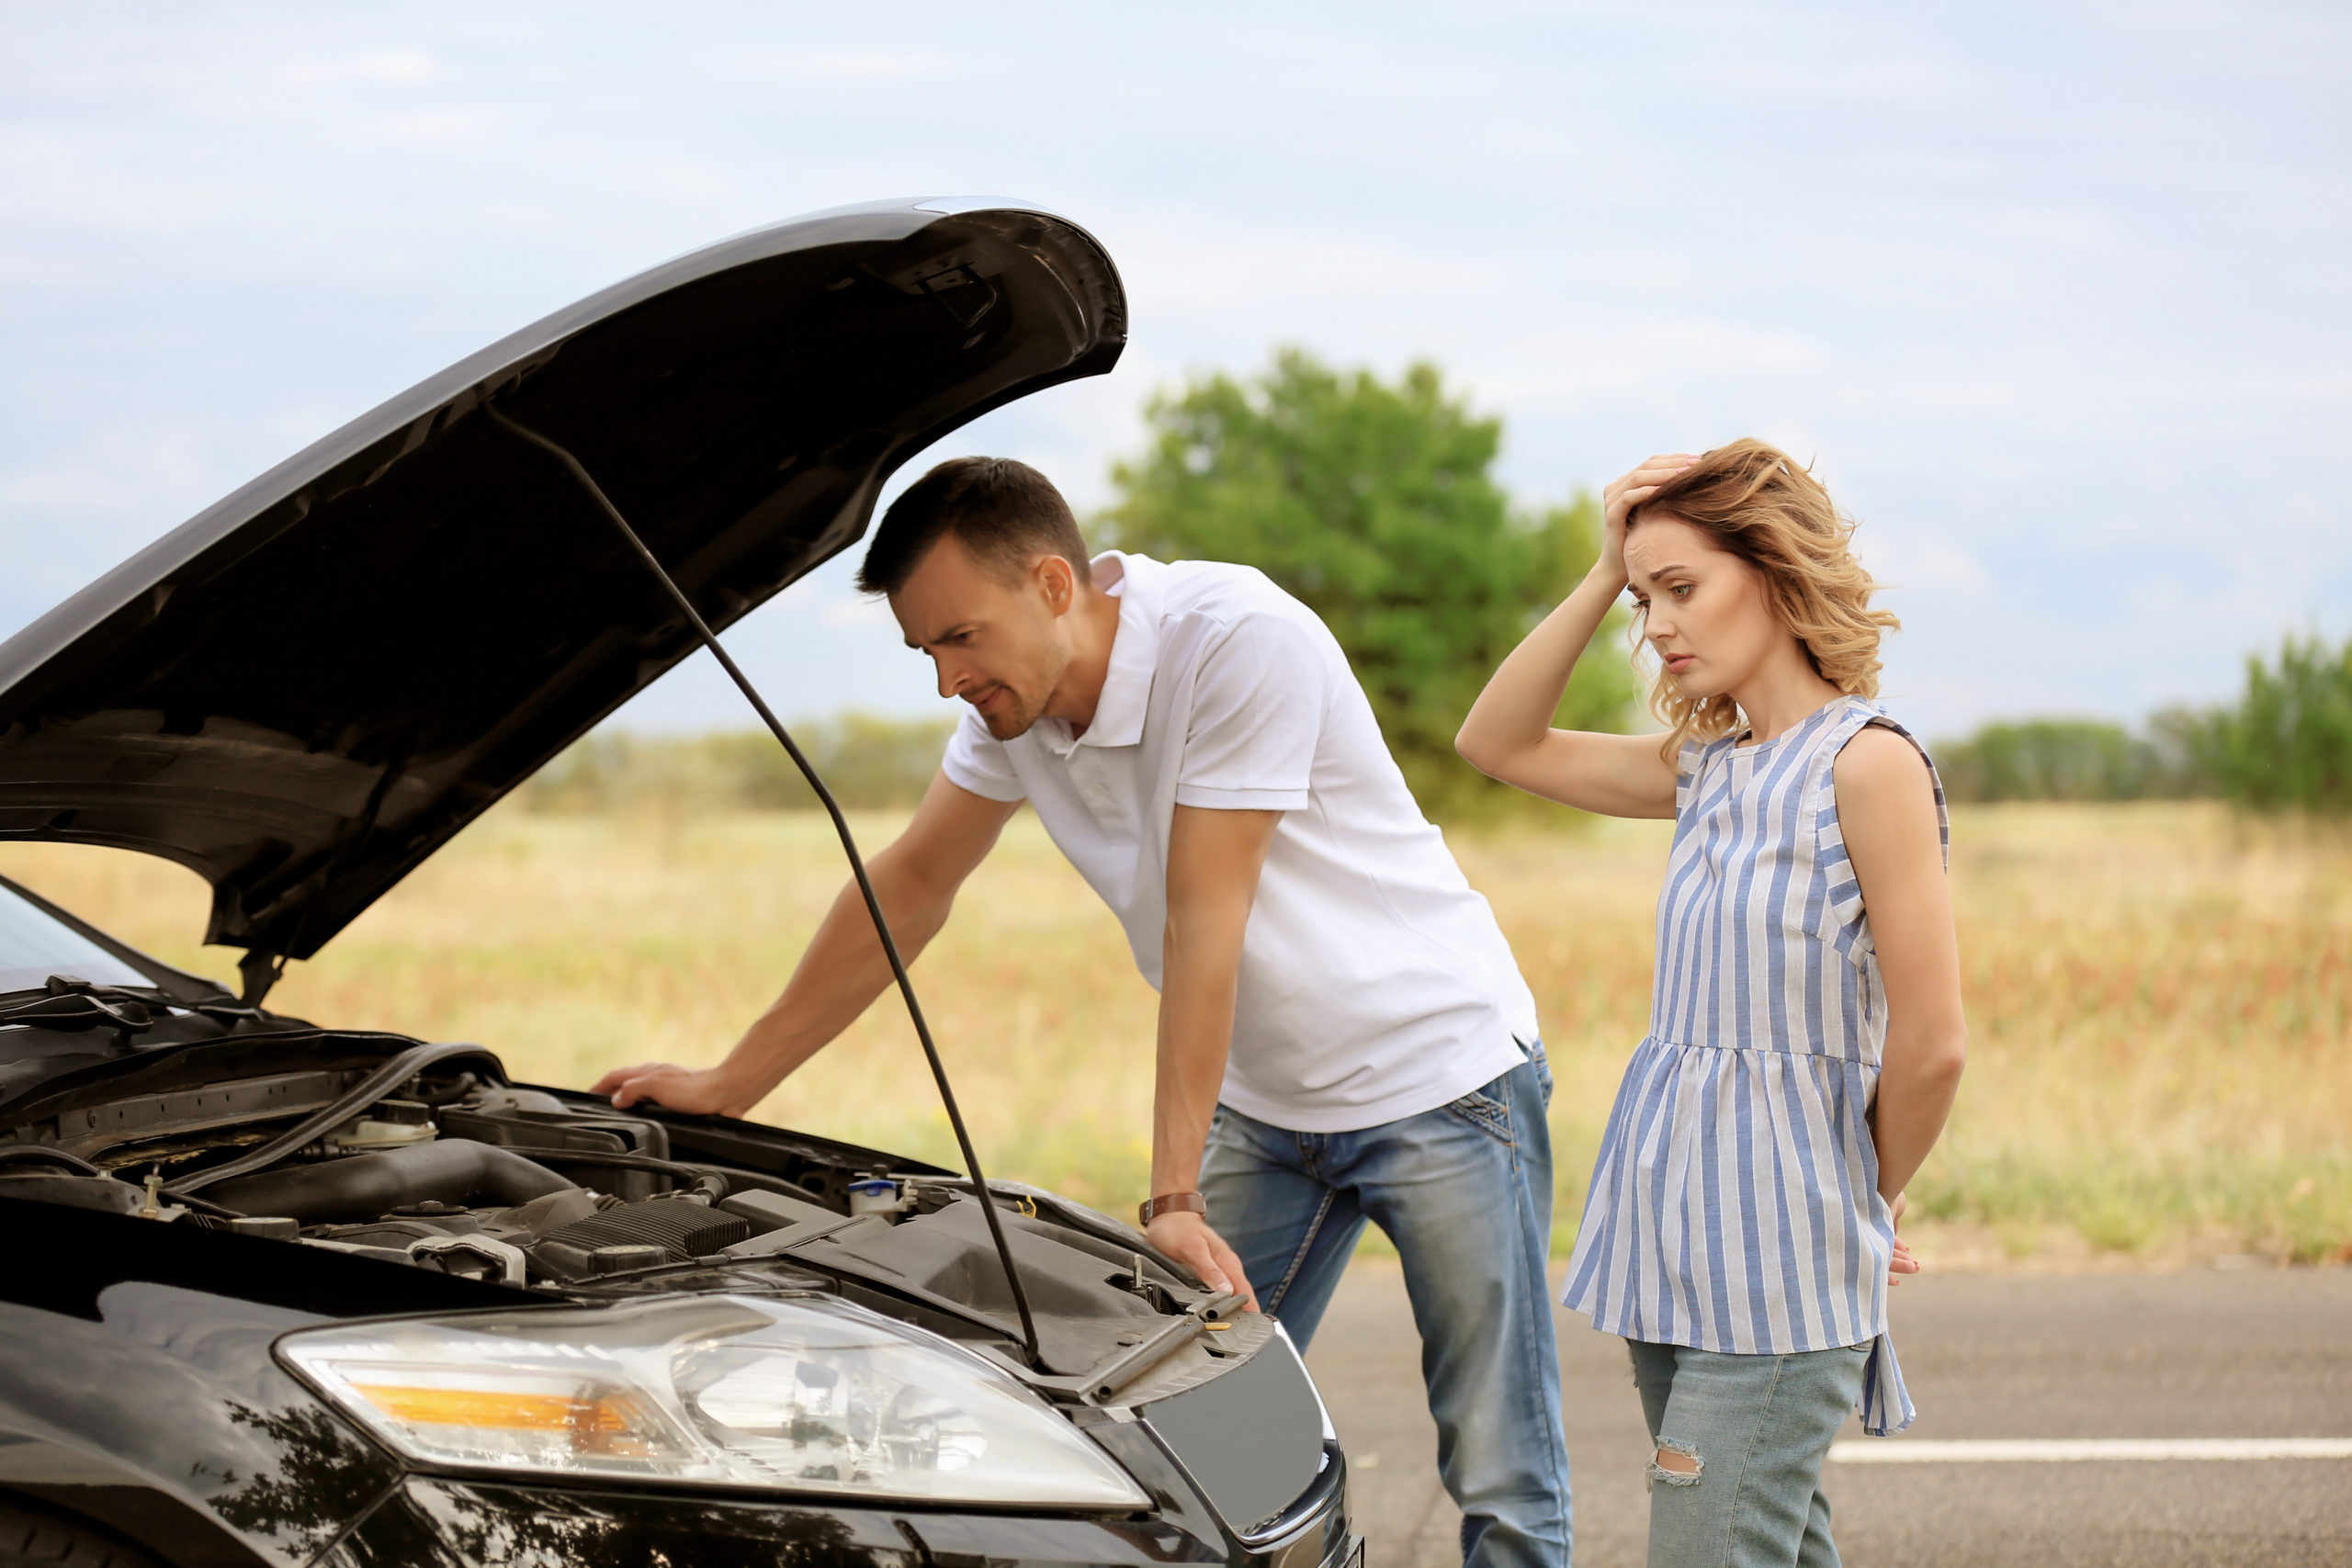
(1170, 1203)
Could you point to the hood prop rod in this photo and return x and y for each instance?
(848, 847)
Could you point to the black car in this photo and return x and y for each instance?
(279, 1293)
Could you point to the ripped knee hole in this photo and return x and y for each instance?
(1677, 1464)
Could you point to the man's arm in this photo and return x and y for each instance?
(845, 968)
(1213, 860)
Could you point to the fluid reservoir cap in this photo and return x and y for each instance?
(370, 1132)
(874, 1195)
(402, 1113)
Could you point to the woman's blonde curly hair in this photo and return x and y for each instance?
(1754, 503)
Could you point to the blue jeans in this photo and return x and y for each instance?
(1466, 1193)
(1758, 1427)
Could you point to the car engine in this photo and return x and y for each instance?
(424, 1157)
(491, 1182)
(457, 1172)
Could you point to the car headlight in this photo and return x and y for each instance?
(801, 1393)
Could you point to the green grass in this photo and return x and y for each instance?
(2159, 995)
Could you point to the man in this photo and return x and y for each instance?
(1343, 1033)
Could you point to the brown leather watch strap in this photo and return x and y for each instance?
(1170, 1203)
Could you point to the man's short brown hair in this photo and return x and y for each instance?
(1005, 513)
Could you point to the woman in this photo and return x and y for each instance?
(1805, 1034)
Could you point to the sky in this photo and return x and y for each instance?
(2055, 297)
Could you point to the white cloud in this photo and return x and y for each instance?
(858, 611)
(835, 66)
(110, 472)
(2055, 298)
(397, 67)
(1904, 558)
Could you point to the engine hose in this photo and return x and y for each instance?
(361, 1187)
(729, 1179)
(387, 1076)
(614, 1160)
(12, 1153)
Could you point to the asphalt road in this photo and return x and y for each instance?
(2254, 1354)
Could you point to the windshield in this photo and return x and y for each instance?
(33, 946)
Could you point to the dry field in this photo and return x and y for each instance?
(2160, 1000)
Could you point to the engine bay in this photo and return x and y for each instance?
(451, 1168)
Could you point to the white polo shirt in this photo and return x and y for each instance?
(1374, 984)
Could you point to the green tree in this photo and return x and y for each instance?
(2287, 741)
(2051, 759)
(1374, 503)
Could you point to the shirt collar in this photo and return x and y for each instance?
(1135, 647)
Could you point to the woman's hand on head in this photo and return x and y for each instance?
(1627, 491)
(1509, 734)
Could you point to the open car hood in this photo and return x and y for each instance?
(310, 686)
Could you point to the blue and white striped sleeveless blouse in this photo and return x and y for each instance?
(1735, 1204)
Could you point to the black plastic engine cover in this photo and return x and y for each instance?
(680, 1227)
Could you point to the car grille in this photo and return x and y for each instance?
(1252, 1439)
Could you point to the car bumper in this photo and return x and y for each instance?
(432, 1522)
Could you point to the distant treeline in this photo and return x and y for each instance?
(2286, 743)
(2071, 758)
(867, 763)
(1375, 503)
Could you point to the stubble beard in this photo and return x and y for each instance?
(1023, 710)
(1017, 721)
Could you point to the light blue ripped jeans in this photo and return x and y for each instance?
(1466, 1193)
(1758, 1427)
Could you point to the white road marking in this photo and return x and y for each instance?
(2000, 1451)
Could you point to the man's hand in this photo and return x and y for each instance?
(1188, 1239)
(706, 1091)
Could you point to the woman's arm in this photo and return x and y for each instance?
(1509, 734)
(1886, 807)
